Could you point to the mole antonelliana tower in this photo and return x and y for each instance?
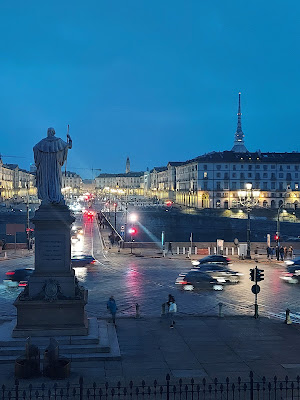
(127, 165)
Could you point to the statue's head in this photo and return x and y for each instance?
(50, 132)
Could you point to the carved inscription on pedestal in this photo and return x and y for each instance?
(51, 250)
(52, 247)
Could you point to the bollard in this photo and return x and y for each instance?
(220, 310)
(178, 251)
(137, 311)
(288, 320)
(163, 309)
(5, 255)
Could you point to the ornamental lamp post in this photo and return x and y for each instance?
(248, 199)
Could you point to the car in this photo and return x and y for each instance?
(295, 261)
(81, 260)
(195, 280)
(220, 272)
(290, 277)
(77, 230)
(212, 259)
(18, 277)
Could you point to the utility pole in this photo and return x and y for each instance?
(28, 221)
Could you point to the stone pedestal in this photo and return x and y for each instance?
(53, 302)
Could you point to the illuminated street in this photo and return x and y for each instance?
(148, 281)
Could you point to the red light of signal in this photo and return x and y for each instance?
(132, 231)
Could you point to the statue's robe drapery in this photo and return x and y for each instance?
(49, 156)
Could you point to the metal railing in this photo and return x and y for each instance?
(204, 390)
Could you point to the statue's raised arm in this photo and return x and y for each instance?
(49, 156)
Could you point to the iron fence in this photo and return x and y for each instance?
(229, 390)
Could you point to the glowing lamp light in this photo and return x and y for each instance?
(248, 186)
(133, 217)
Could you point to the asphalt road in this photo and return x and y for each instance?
(148, 281)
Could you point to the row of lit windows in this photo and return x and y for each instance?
(255, 175)
(251, 166)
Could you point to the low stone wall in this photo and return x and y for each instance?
(10, 246)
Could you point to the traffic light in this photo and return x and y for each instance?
(276, 237)
(252, 274)
(259, 275)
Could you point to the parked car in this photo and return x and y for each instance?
(18, 277)
(213, 259)
(82, 260)
(220, 272)
(195, 280)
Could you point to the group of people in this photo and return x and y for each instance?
(281, 253)
(171, 308)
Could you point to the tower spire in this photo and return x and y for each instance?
(127, 165)
(239, 146)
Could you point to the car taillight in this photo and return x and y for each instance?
(22, 284)
(93, 262)
(10, 273)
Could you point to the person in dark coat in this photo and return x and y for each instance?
(170, 249)
(281, 252)
(112, 308)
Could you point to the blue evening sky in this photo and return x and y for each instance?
(155, 80)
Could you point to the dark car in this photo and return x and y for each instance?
(195, 280)
(18, 276)
(222, 273)
(213, 259)
(82, 260)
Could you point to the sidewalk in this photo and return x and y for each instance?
(12, 254)
(198, 348)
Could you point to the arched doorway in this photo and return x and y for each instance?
(273, 204)
(226, 204)
(205, 200)
(218, 203)
(265, 204)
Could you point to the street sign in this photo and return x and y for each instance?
(255, 289)
(122, 228)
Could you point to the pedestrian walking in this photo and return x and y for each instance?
(268, 252)
(112, 307)
(281, 252)
(171, 313)
(285, 252)
(170, 249)
(290, 252)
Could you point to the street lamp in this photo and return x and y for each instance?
(248, 199)
(278, 223)
(133, 218)
(115, 206)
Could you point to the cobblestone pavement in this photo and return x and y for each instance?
(148, 281)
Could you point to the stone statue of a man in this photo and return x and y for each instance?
(49, 156)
